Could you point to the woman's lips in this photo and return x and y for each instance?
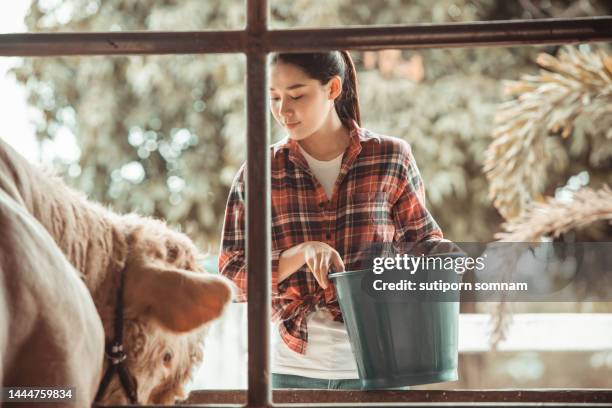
(291, 125)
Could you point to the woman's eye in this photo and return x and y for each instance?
(276, 99)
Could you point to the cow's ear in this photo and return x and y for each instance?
(180, 300)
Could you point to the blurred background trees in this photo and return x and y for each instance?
(164, 135)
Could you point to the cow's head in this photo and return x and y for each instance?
(168, 301)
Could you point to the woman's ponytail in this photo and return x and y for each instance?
(347, 105)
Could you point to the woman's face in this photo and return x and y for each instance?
(299, 103)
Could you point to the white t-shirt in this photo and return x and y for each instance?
(328, 352)
(326, 172)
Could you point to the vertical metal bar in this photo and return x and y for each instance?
(258, 209)
(257, 16)
(258, 232)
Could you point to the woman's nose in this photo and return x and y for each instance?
(285, 109)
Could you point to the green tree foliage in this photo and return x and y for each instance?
(164, 135)
(161, 135)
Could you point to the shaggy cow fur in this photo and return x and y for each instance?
(167, 298)
(37, 346)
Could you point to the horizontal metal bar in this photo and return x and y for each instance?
(485, 33)
(410, 396)
(446, 405)
(550, 31)
(391, 405)
(407, 405)
(121, 43)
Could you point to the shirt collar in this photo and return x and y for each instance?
(358, 136)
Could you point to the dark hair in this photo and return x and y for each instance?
(322, 66)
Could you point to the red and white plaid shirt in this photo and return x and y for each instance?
(378, 197)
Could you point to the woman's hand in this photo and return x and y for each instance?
(318, 256)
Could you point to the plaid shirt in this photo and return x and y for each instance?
(378, 197)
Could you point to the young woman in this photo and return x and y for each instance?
(336, 188)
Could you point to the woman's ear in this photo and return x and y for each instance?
(334, 87)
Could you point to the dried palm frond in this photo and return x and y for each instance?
(555, 217)
(501, 319)
(550, 219)
(573, 85)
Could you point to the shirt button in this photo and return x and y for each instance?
(328, 235)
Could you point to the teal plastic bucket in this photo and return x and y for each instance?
(400, 339)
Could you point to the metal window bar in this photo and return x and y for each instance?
(256, 41)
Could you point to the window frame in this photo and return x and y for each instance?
(256, 40)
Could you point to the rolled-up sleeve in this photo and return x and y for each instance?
(232, 254)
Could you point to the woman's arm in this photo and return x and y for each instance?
(232, 253)
(232, 259)
(290, 261)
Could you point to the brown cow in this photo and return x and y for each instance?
(167, 298)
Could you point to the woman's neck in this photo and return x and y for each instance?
(329, 141)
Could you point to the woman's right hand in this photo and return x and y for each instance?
(318, 256)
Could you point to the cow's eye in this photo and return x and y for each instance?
(167, 357)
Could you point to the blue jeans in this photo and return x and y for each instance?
(296, 381)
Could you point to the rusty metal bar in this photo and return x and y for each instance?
(258, 232)
(257, 17)
(258, 210)
(485, 33)
(121, 43)
(412, 396)
(398, 405)
(520, 32)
